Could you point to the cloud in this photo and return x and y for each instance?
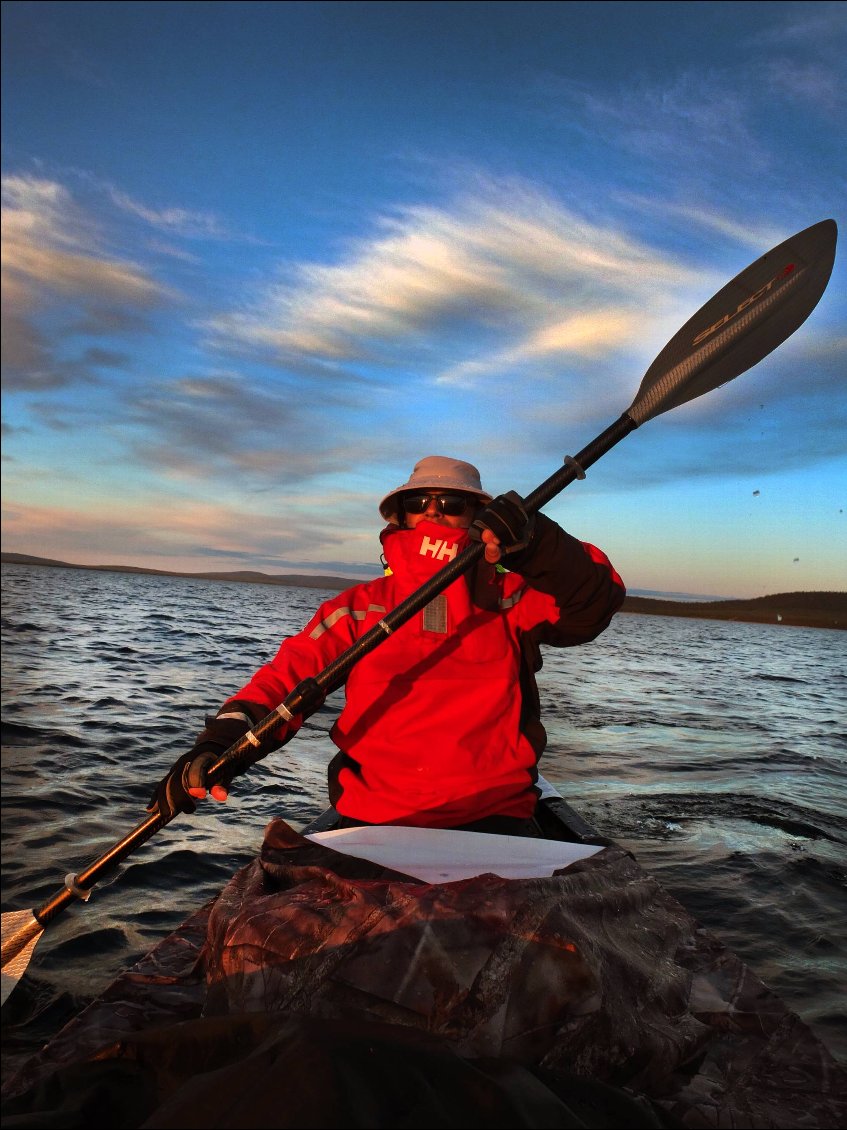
(46, 240)
(173, 533)
(719, 128)
(172, 251)
(820, 27)
(585, 334)
(175, 220)
(588, 336)
(495, 271)
(199, 426)
(691, 112)
(816, 85)
(54, 261)
(802, 56)
(758, 235)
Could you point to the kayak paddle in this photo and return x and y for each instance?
(743, 323)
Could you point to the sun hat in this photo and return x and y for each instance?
(436, 473)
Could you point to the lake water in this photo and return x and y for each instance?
(716, 752)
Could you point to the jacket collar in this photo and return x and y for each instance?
(421, 552)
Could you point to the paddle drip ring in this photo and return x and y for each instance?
(70, 883)
(569, 461)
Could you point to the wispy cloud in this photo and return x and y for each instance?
(495, 269)
(803, 56)
(48, 242)
(758, 235)
(691, 125)
(54, 258)
(819, 86)
(588, 335)
(690, 113)
(168, 534)
(222, 424)
(172, 251)
(173, 219)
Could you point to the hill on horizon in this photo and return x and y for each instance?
(792, 609)
(304, 580)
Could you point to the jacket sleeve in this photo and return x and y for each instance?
(334, 627)
(574, 591)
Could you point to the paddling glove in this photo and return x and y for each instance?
(508, 520)
(171, 795)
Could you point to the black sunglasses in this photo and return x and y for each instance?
(451, 505)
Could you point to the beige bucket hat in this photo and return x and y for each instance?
(436, 473)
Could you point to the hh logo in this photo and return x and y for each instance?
(440, 550)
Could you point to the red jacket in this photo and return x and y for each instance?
(441, 724)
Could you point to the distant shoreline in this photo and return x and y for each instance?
(298, 580)
(790, 609)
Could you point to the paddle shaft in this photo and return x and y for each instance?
(92, 874)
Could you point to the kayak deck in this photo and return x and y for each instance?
(593, 971)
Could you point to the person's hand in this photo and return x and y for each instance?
(493, 552)
(195, 776)
(503, 526)
(186, 783)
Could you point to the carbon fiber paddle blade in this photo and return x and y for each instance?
(743, 323)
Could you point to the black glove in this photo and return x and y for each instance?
(171, 795)
(507, 519)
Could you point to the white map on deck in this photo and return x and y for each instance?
(436, 855)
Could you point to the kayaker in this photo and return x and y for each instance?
(441, 725)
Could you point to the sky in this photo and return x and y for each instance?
(259, 258)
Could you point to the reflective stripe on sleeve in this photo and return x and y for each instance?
(334, 617)
(239, 716)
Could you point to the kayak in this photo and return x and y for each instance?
(385, 976)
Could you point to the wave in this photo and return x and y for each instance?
(726, 809)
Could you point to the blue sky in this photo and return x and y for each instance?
(260, 258)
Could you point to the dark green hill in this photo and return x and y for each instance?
(793, 609)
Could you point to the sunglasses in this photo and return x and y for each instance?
(451, 505)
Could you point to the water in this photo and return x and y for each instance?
(714, 751)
